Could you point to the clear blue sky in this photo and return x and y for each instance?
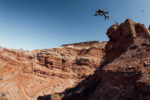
(39, 24)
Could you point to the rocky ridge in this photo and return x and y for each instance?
(125, 71)
(68, 72)
(24, 75)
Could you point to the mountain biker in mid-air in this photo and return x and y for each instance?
(101, 12)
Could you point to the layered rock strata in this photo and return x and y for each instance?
(125, 72)
(24, 75)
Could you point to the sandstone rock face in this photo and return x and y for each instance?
(25, 75)
(126, 72)
(67, 72)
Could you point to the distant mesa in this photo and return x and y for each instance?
(82, 43)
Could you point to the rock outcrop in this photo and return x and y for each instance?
(25, 75)
(68, 72)
(125, 72)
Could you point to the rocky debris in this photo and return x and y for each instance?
(25, 75)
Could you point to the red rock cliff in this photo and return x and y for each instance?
(125, 72)
(24, 75)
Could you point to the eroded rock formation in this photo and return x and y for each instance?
(67, 73)
(25, 75)
(125, 72)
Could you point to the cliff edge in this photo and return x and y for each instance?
(125, 71)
